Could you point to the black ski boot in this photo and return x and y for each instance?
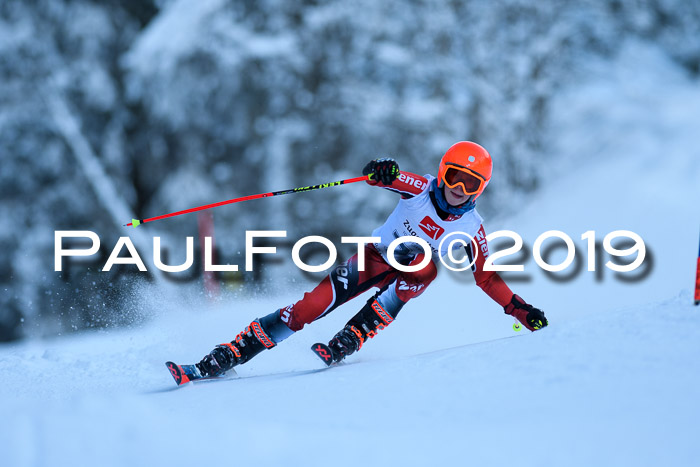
(346, 342)
(247, 345)
(371, 319)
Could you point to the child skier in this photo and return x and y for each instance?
(430, 208)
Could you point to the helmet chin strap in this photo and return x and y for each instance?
(463, 208)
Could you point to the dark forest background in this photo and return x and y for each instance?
(117, 109)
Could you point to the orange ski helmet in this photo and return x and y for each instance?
(466, 164)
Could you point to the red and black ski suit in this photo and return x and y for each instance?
(346, 281)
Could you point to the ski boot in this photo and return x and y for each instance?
(253, 340)
(372, 318)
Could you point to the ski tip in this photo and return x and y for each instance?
(323, 352)
(177, 373)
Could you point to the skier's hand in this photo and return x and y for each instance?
(531, 317)
(383, 170)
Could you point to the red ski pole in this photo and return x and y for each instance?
(697, 282)
(137, 222)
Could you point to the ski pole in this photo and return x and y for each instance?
(697, 283)
(137, 222)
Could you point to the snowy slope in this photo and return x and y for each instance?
(617, 390)
(613, 381)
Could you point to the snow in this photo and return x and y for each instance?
(160, 45)
(612, 381)
(104, 189)
(614, 390)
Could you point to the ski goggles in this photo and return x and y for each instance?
(470, 181)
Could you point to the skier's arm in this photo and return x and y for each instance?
(385, 174)
(491, 283)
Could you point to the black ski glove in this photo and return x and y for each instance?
(383, 170)
(531, 317)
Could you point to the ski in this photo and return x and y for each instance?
(323, 352)
(183, 374)
(177, 370)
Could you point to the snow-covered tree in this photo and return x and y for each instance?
(184, 103)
